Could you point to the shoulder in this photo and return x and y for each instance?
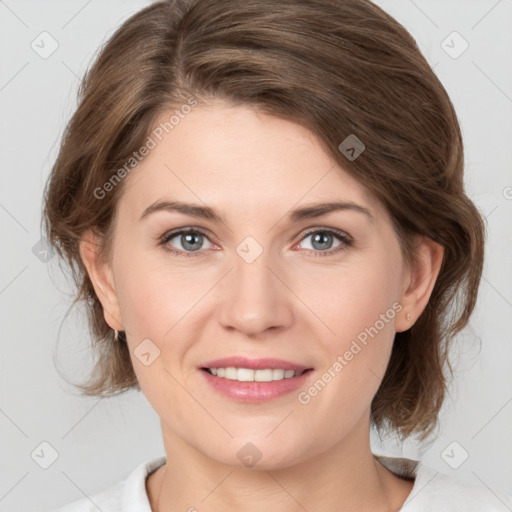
(121, 497)
(108, 500)
(434, 491)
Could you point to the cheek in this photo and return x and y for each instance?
(142, 300)
(357, 355)
(357, 298)
(361, 310)
(161, 304)
(156, 307)
(153, 295)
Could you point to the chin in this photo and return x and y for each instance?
(259, 454)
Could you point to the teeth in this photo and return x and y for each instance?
(278, 374)
(243, 374)
(249, 375)
(230, 373)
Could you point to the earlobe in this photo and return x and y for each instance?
(419, 282)
(101, 277)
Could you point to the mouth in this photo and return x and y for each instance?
(254, 380)
(251, 375)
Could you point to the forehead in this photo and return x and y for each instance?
(233, 157)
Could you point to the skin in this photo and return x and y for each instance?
(289, 304)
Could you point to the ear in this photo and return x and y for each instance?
(101, 277)
(419, 282)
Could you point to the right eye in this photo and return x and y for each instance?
(190, 239)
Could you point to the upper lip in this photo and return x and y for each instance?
(254, 364)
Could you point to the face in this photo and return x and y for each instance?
(318, 293)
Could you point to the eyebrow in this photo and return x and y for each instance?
(305, 212)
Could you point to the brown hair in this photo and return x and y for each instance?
(335, 67)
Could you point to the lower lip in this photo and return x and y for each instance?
(254, 392)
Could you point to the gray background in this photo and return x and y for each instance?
(99, 441)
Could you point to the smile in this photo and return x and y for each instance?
(254, 380)
(250, 375)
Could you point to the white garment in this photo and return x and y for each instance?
(432, 491)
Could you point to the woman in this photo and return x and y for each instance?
(263, 205)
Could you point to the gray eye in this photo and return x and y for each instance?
(321, 240)
(191, 241)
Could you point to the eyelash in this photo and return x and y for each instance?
(342, 237)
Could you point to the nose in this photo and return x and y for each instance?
(255, 297)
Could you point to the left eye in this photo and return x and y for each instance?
(322, 240)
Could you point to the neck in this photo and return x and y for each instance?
(345, 478)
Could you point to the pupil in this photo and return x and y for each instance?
(188, 240)
(323, 239)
